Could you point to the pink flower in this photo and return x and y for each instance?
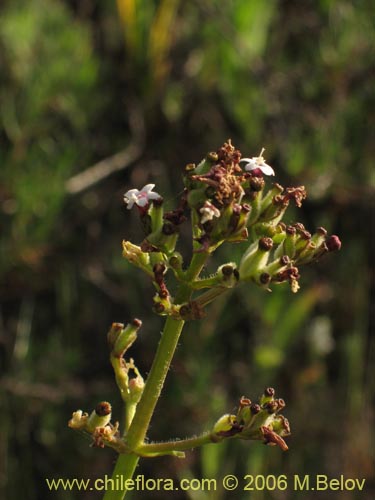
(140, 198)
(258, 163)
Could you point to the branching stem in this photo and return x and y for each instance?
(126, 463)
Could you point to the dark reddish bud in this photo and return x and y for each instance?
(246, 208)
(102, 409)
(227, 270)
(137, 322)
(270, 392)
(305, 235)
(159, 308)
(147, 247)
(265, 244)
(333, 243)
(284, 260)
(288, 274)
(168, 229)
(290, 230)
(271, 407)
(175, 217)
(257, 183)
(255, 408)
(185, 310)
(265, 278)
(257, 172)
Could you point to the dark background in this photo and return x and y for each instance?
(158, 84)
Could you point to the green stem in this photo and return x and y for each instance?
(155, 381)
(126, 463)
(125, 467)
(210, 295)
(130, 409)
(178, 445)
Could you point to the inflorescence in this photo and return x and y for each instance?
(226, 199)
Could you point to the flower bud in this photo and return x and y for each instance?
(267, 396)
(256, 183)
(212, 157)
(136, 387)
(271, 407)
(333, 243)
(289, 245)
(120, 339)
(136, 256)
(268, 199)
(319, 236)
(281, 426)
(244, 414)
(162, 303)
(113, 333)
(255, 408)
(225, 424)
(175, 261)
(265, 244)
(228, 275)
(100, 417)
(255, 258)
(190, 167)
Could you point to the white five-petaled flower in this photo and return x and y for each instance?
(142, 197)
(209, 211)
(257, 162)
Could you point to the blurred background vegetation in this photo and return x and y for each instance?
(98, 97)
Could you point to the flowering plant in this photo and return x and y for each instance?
(225, 203)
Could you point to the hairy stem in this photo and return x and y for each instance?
(155, 381)
(125, 467)
(126, 463)
(177, 445)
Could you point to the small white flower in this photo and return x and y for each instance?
(142, 197)
(258, 162)
(209, 211)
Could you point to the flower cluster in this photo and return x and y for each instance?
(256, 421)
(226, 199)
(98, 423)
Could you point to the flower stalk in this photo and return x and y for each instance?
(226, 203)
